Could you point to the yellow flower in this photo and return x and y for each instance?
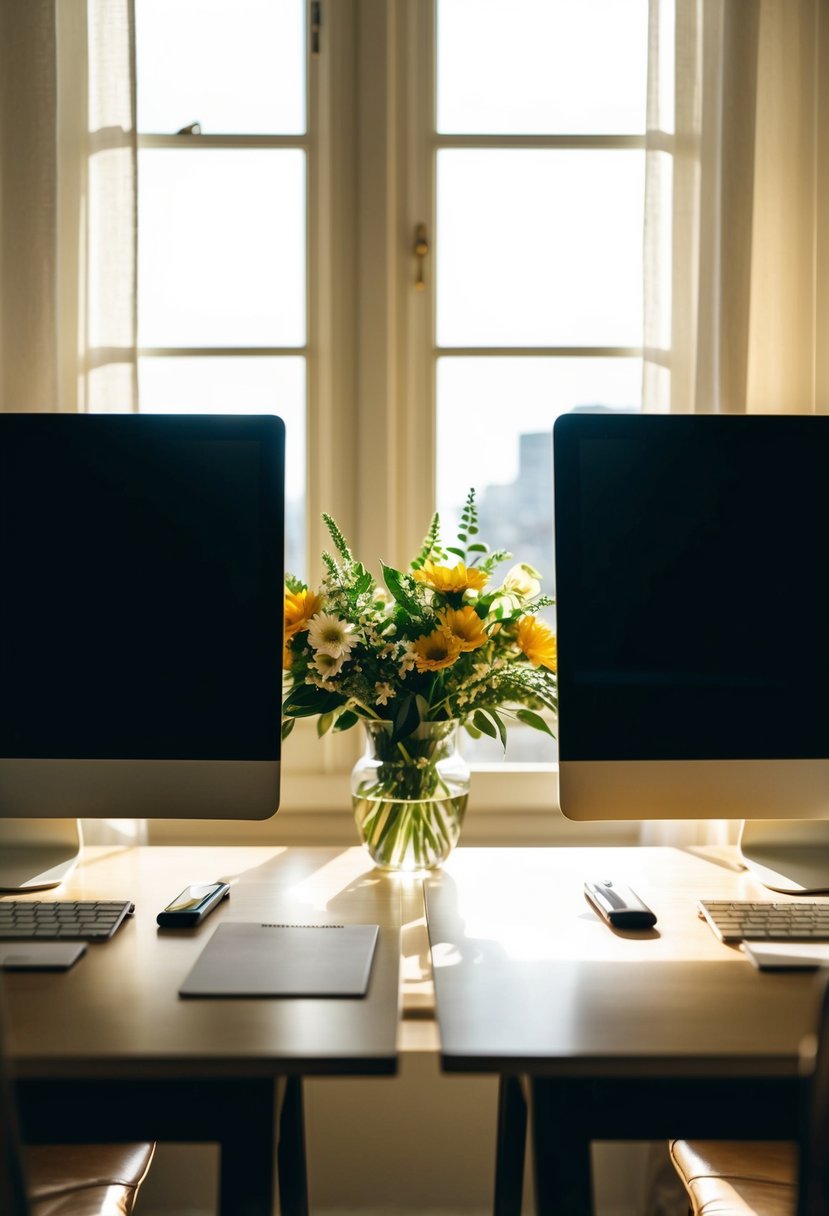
(300, 606)
(454, 578)
(436, 650)
(465, 625)
(538, 642)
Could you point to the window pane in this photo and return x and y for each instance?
(241, 386)
(221, 254)
(538, 247)
(494, 433)
(231, 65)
(542, 66)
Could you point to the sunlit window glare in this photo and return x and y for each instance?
(232, 67)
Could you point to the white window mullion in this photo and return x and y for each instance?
(417, 381)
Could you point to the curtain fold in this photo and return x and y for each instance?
(28, 205)
(110, 358)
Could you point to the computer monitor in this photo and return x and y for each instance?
(692, 586)
(141, 599)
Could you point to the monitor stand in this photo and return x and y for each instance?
(36, 854)
(788, 855)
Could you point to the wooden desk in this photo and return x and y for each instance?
(626, 1036)
(109, 1051)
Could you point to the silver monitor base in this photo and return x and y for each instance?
(36, 854)
(791, 856)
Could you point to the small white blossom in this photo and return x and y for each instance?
(407, 661)
(384, 693)
(330, 635)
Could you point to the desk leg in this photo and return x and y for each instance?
(511, 1146)
(247, 1160)
(561, 1151)
(293, 1174)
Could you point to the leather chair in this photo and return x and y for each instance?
(736, 1178)
(64, 1180)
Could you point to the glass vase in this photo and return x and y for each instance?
(409, 796)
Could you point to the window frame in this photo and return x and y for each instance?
(372, 358)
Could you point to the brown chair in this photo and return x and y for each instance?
(63, 1180)
(737, 1178)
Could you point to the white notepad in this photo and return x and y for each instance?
(284, 960)
(776, 956)
(39, 956)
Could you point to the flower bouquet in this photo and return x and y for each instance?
(432, 648)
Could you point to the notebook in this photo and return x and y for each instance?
(242, 959)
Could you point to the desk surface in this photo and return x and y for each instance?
(117, 1014)
(528, 978)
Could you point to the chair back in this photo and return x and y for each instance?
(813, 1182)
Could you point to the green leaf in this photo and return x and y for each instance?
(346, 720)
(461, 553)
(364, 583)
(287, 726)
(483, 723)
(478, 547)
(394, 581)
(306, 700)
(534, 720)
(472, 730)
(407, 718)
(324, 724)
(491, 724)
(502, 730)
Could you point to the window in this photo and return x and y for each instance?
(283, 177)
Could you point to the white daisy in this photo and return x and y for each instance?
(328, 665)
(331, 635)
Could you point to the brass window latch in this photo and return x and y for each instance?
(316, 24)
(421, 249)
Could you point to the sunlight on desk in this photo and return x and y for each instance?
(550, 919)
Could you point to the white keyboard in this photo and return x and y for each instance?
(746, 920)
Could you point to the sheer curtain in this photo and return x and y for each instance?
(67, 205)
(736, 222)
(68, 218)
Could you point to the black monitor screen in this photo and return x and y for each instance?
(693, 586)
(140, 587)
